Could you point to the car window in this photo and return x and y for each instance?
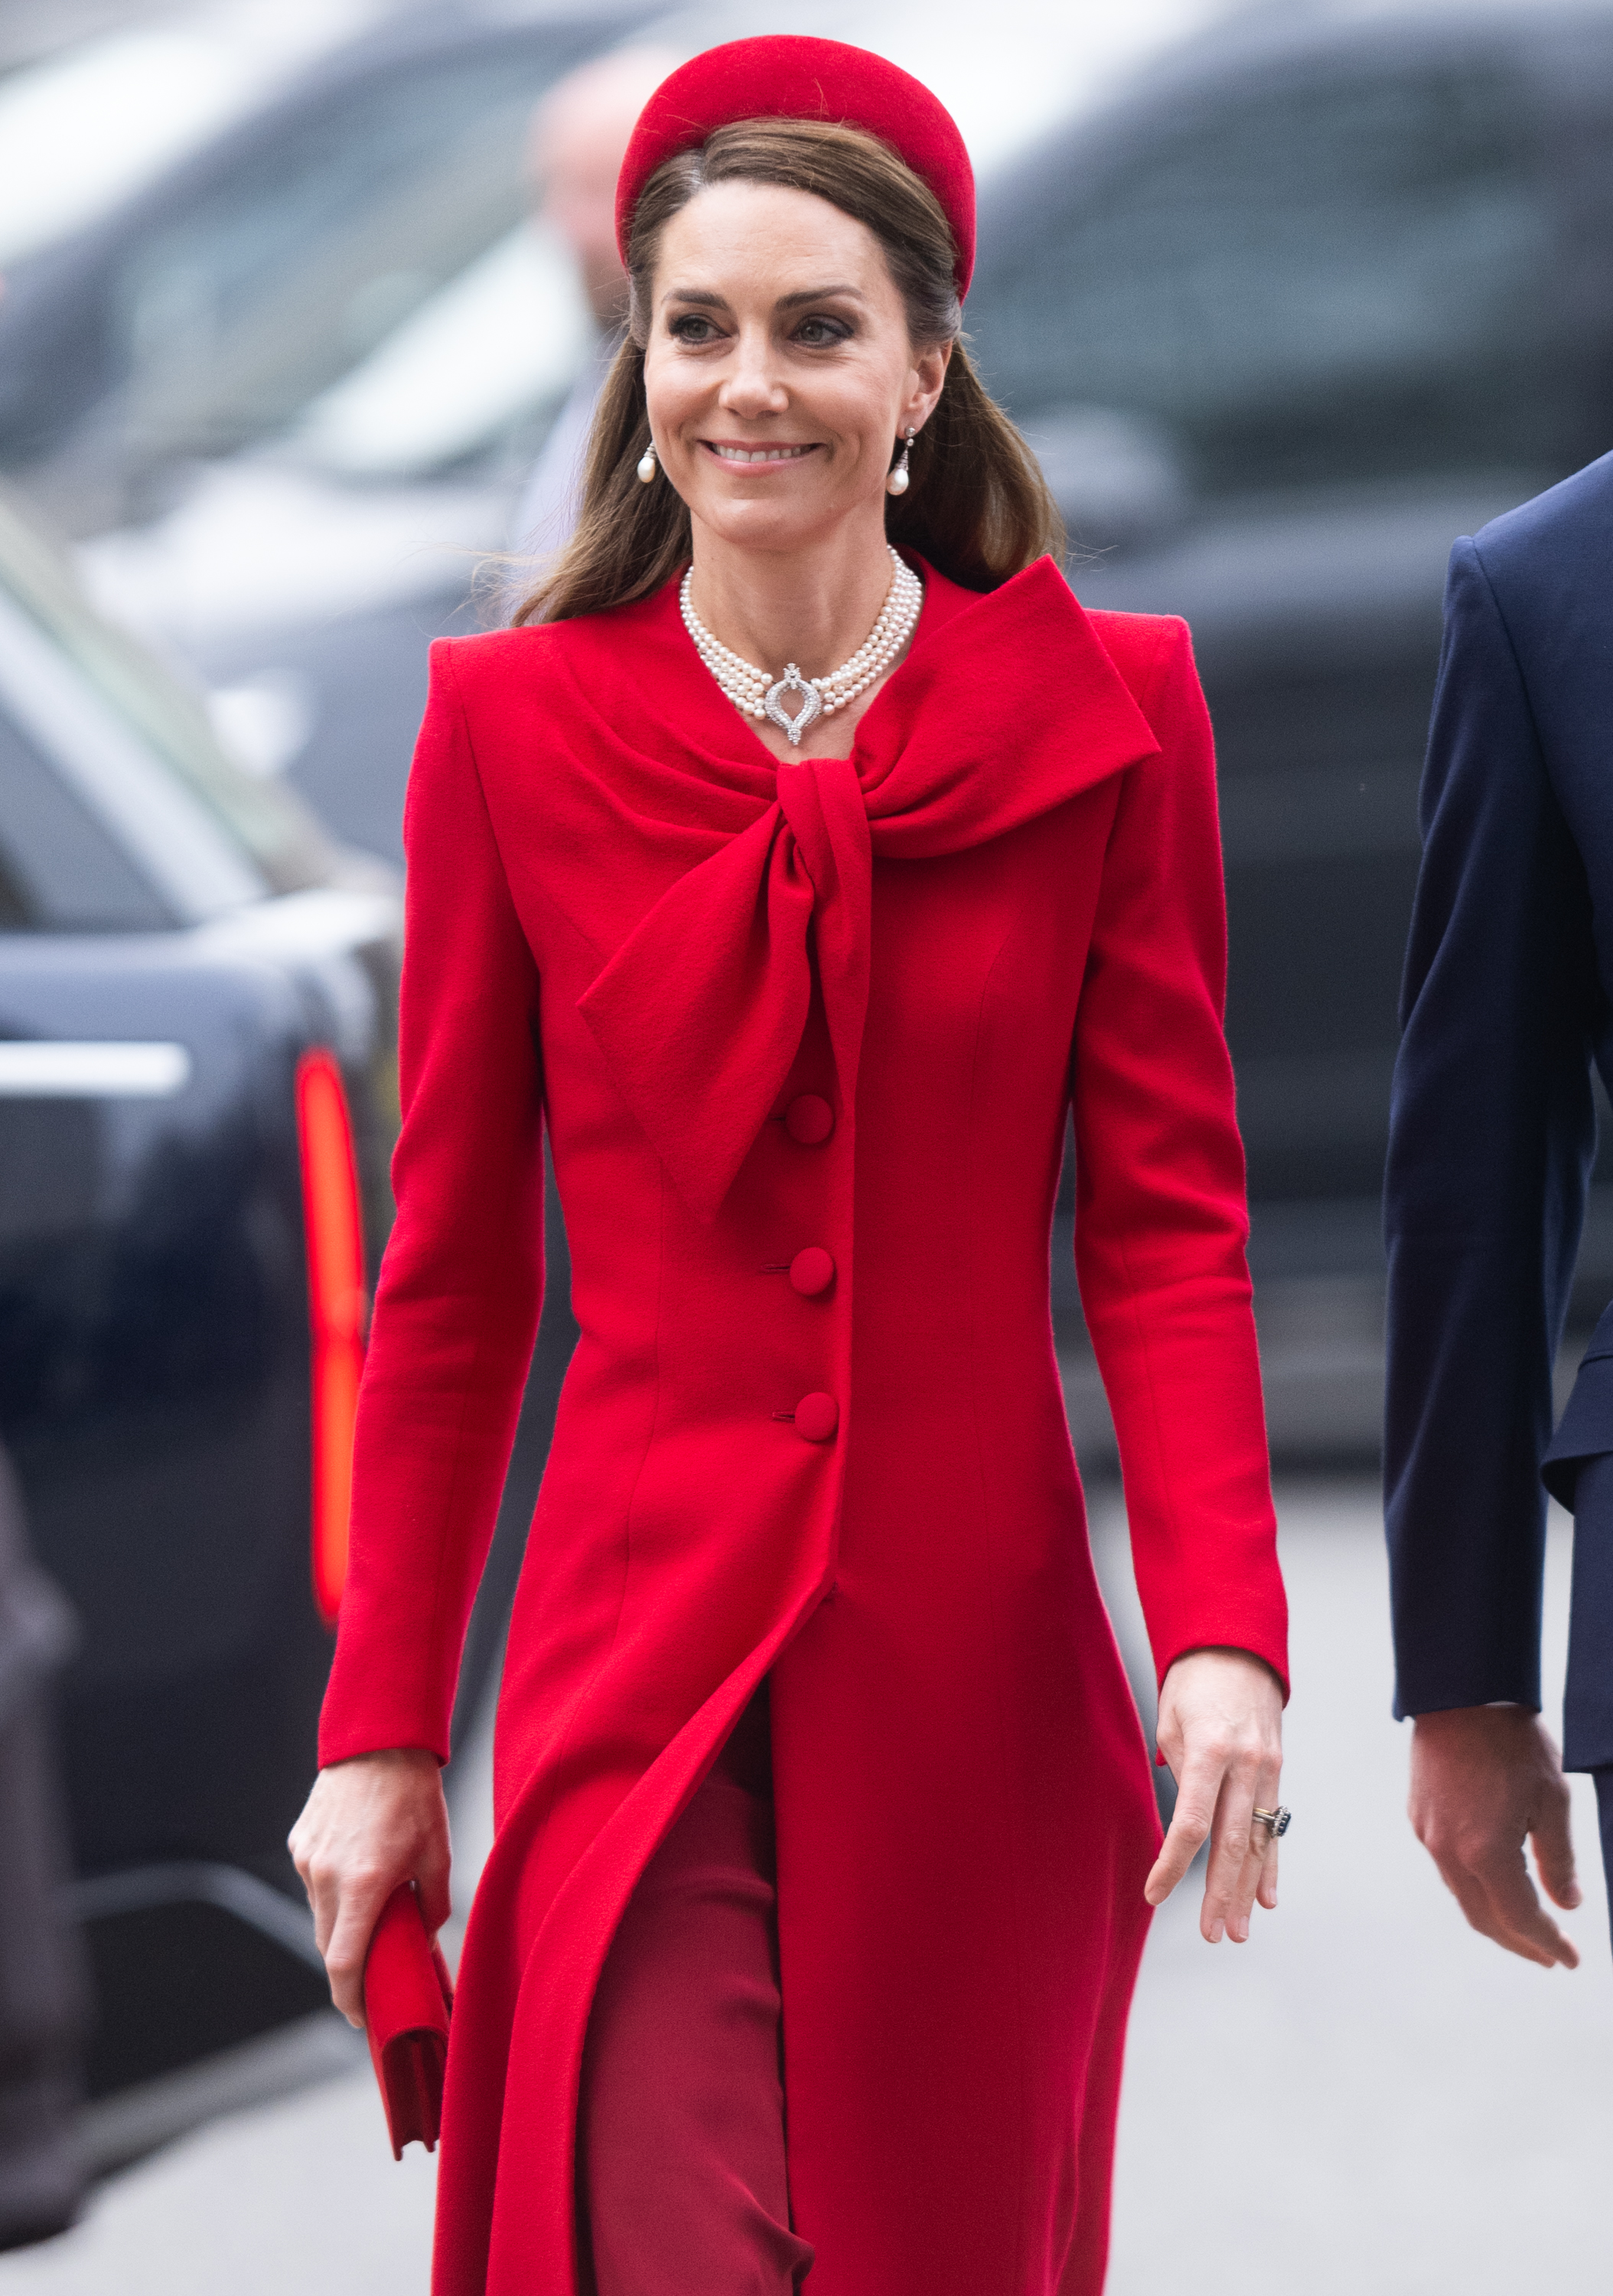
(60, 869)
(1302, 280)
(82, 130)
(237, 313)
(139, 751)
(509, 333)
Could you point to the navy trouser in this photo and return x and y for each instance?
(1587, 1719)
(1604, 1810)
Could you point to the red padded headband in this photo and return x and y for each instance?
(782, 77)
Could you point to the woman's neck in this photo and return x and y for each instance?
(813, 607)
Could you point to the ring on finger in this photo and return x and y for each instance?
(1276, 1822)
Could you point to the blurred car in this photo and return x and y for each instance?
(43, 1995)
(285, 393)
(197, 1100)
(101, 102)
(1323, 290)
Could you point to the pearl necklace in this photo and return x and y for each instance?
(757, 695)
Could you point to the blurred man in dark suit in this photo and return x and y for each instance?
(1506, 1006)
(579, 136)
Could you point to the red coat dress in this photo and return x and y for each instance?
(841, 1006)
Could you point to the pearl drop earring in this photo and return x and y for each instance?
(646, 465)
(897, 482)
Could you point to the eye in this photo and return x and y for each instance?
(693, 327)
(819, 333)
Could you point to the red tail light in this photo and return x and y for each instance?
(333, 1234)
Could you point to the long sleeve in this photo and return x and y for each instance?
(1490, 1137)
(1161, 1226)
(461, 1286)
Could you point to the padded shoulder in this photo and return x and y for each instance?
(1146, 649)
(490, 656)
(1560, 538)
(1548, 567)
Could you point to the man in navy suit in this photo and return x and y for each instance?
(1508, 1000)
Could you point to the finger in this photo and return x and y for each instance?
(1226, 1907)
(431, 1880)
(1260, 1843)
(1535, 1939)
(1190, 1829)
(1267, 1894)
(299, 1842)
(1553, 1843)
(1488, 1910)
(323, 1883)
(1525, 1924)
(1474, 1899)
(1247, 1886)
(349, 1944)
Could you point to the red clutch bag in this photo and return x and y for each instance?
(408, 1995)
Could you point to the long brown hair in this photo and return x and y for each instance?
(977, 507)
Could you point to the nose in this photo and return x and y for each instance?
(752, 385)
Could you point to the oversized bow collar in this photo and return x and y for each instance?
(1002, 710)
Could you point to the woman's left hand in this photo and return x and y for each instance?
(1221, 1732)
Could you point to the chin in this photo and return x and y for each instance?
(752, 524)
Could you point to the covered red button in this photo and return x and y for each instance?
(809, 1119)
(812, 1271)
(816, 1417)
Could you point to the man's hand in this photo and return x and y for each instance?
(1484, 1780)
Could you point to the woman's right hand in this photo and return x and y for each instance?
(371, 1823)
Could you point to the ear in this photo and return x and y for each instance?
(929, 374)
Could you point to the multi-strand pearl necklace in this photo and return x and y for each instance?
(759, 695)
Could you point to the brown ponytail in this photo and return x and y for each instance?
(977, 508)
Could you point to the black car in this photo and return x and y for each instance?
(197, 1100)
(1325, 289)
(286, 390)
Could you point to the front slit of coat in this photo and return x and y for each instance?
(682, 2175)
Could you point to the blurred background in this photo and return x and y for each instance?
(302, 315)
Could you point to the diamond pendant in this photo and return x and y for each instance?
(792, 728)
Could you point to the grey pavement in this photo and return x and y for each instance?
(1367, 2096)
(1364, 2097)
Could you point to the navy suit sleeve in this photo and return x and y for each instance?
(1492, 1133)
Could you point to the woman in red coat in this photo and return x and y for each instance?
(825, 1837)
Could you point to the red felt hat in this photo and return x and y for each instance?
(782, 77)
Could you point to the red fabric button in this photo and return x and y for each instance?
(816, 1417)
(809, 1119)
(812, 1271)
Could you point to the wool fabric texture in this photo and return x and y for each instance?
(844, 1007)
(783, 75)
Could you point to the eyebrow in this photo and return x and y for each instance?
(817, 295)
(703, 298)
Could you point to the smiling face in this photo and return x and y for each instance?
(779, 370)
